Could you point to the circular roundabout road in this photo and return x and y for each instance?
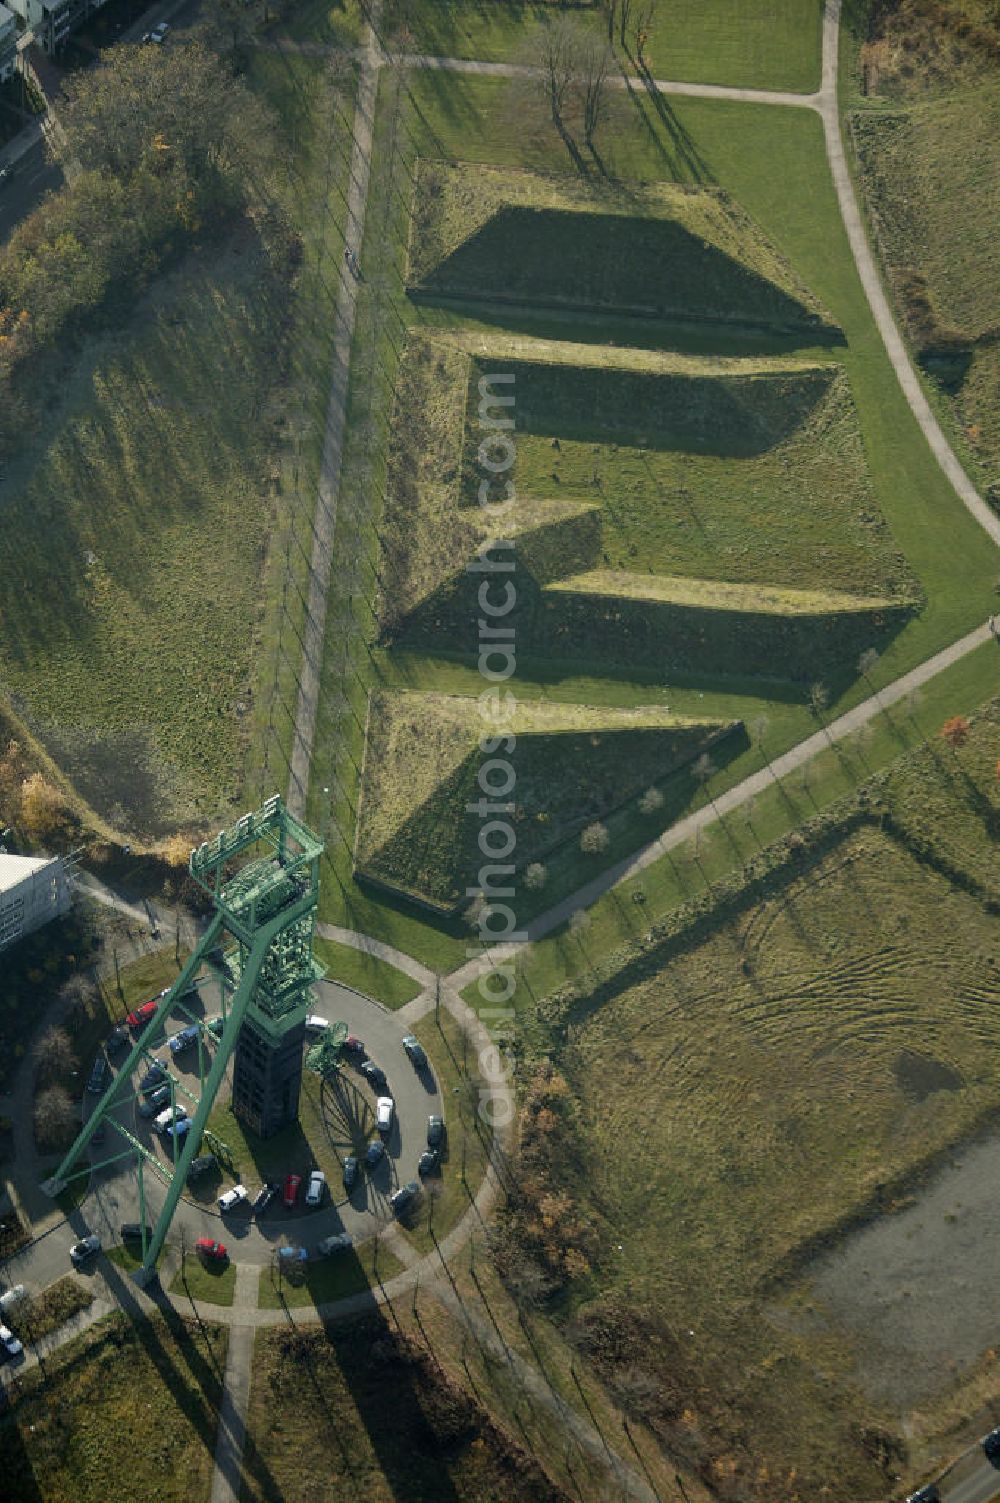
(113, 1194)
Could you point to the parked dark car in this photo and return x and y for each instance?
(203, 1164)
(928, 1494)
(350, 1172)
(415, 1050)
(132, 1231)
(991, 1447)
(374, 1153)
(157, 1099)
(100, 1074)
(264, 1197)
(428, 1162)
(354, 1046)
(404, 1197)
(435, 1132)
(374, 1074)
(153, 1077)
(116, 1039)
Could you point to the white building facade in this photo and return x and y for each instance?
(33, 890)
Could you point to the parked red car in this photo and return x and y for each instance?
(142, 1014)
(290, 1193)
(209, 1249)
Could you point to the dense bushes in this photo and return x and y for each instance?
(168, 145)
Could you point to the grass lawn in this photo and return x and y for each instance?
(816, 1048)
(652, 249)
(932, 202)
(157, 450)
(366, 973)
(448, 1195)
(629, 910)
(125, 1411)
(331, 1278)
(360, 1411)
(573, 764)
(771, 44)
(46, 1312)
(212, 1282)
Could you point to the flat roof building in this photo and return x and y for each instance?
(8, 43)
(33, 890)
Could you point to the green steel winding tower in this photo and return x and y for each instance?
(262, 875)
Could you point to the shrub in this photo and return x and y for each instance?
(595, 839)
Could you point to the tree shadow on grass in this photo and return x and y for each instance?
(409, 1445)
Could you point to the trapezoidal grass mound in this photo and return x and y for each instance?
(681, 513)
(655, 250)
(573, 764)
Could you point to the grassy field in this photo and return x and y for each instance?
(319, 1424)
(727, 145)
(366, 973)
(573, 765)
(46, 1312)
(156, 449)
(815, 1048)
(312, 99)
(127, 1410)
(201, 1279)
(922, 84)
(695, 867)
(330, 1279)
(656, 250)
(772, 44)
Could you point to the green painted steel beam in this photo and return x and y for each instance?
(227, 1043)
(111, 1096)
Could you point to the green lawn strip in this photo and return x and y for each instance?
(125, 1405)
(127, 1256)
(139, 980)
(449, 1194)
(46, 1312)
(204, 1280)
(764, 44)
(330, 1279)
(685, 872)
(366, 973)
(313, 101)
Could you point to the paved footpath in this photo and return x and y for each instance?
(236, 1392)
(325, 520)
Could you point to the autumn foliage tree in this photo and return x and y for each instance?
(955, 731)
(45, 815)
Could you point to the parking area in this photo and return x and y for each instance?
(346, 1124)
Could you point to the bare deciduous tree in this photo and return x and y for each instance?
(54, 1055)
(592, 79)
(55, 1116)
(559, 64)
